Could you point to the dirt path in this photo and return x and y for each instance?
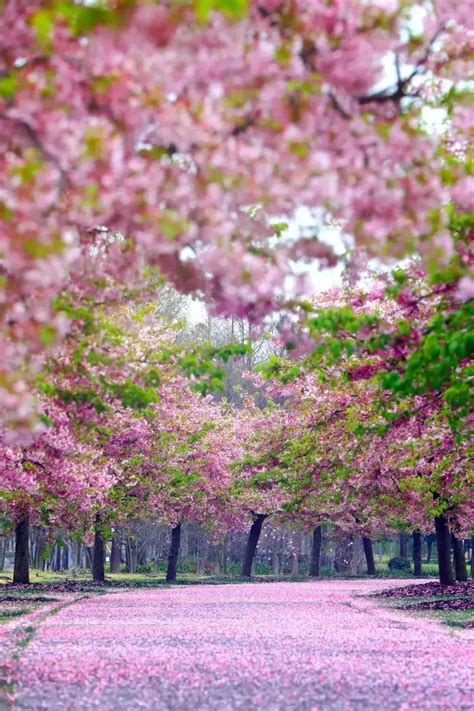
(256, 646)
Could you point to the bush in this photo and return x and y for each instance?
(262, 569)
(187, 565)
(146, 569)
(399, 563)
(234, 569)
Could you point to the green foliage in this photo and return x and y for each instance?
(133, 395)
(81, 18)
(145, 569)
(233, 8)
(398, 563)
(8, 86)
(199, 362)
(82, 396)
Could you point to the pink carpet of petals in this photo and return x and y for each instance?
(318, 645)
(14, 633)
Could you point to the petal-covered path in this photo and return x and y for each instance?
(315, 645)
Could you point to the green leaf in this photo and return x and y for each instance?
(42, 23)
(48, 335)
(8, 86)
(235, 9)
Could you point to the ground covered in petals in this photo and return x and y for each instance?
(430, 589)
(315, 645)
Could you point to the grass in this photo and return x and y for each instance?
(455, 618)
(461, 619)
(7, 615)
(28, 634)
(184, 578)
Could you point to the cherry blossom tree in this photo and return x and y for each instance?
(382, 410)
(175, 135)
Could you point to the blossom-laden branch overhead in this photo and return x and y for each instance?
(185, 135)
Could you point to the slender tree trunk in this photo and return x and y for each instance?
(88, 558)
(202, 547)
(222, 555)
(40, 548)
(141, 554)
(173, 554)
(66, 557)
(443, 541)
(417, 569)
(184, 545)
(429, 547)
(472, 557)
(275, 563)
(460, 568)
(131, 555)
(76, 556)
(3, 545)
(252, 543)
(369, 555)
(57, 564)
(21, 570)
(403, 545)
(98, 560)
(344, 554)
(295, 564)
(115, 554)
(315, 562)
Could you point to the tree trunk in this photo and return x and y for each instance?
(460, 568)
(40, 549)
(369, 555)
(344, 554)
(3, 545)
(115, 554)
(443, 541)
(98, 560)
(417, 569)
(76, 556)
(403, 545)
(202, 548)
(472, 557)
(173, 554)
(252, 543)
(66, 557)
(184, 545)
(131, 555)
(89, 555)
(295, 564)
(200, 565)
(275, 563)
(429, 546)
(141, 553)
(57, 563)
(315, 562)
(222, 555)
(21, 570)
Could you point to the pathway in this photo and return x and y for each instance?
(315, 645)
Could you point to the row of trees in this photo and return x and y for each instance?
(319, 438)
(143, 547)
